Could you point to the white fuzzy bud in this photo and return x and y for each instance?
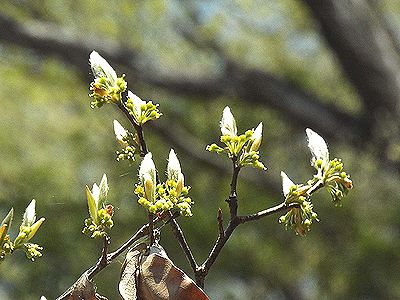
(137, 104)
(120, 134)
(101, 68)
(286, 183)
(257, 137)
(228, 123)
(173, 167)
(318, 147)
(147, 175)
(30, 214)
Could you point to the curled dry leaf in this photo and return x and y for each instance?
(155, 277)
(82, 289)
(129, 275)
(160, 279)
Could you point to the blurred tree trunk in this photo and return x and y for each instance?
(369, 56)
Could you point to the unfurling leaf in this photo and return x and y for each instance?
(160, 279)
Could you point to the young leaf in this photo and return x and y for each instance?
(8, 219)
(92, 204)
(30, 214)
(3, 233)
(34, 228)
(103, 191)
(5, 225)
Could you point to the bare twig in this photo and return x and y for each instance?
(151, 228)
(315, 187)
(138, 128)
(232, 199)
(220, 222)
(143, 231)
(178, 233)
(103, 260)
(223, 237)
(106, 259)
(267, 212)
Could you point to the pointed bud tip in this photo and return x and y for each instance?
(173, 167)
(286, 183)
(228, 123)
(317, 146)
(104, 177)
(134, 97)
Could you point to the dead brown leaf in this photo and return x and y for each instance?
(160, 279)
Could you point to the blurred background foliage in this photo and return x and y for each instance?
(52, 144)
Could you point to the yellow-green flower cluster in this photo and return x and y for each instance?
(300, 218)
(330, 175)
(27, 230)
(7, 247)
(106, 87)
(166, 196)
(32, 251)
(336, 181)
(100, 214)
(242, 147)
(142, 111)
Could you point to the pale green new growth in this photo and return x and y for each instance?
(100, 213)
(329, 175)
(27, 231)
(243, 148)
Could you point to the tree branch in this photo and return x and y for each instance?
(365, 50)
(178, 233)
(138, 128)
(251, 85)
(232, 199)
(107, 258)
(261, 214)
(220, 221)
(103, 260)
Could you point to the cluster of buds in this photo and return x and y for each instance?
(167, 196)
(127, 141)
(298, 218)
(100, 213)
(244, 147)
(27, 231)
(330, 175)
(106, 87)
(140, 110)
